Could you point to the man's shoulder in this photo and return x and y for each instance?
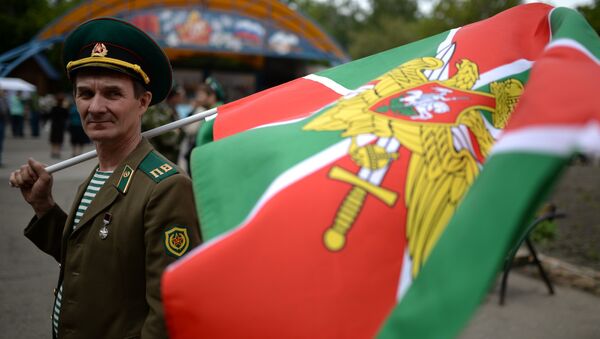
(160, 108)
(157, 167)
(155, 116)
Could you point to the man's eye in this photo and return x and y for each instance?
(84, 94)
(114, 94)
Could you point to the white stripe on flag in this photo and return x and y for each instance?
(285, 179)
(449, 39)
(405, 275)
(211, 117)
(280, 123)
(503, 71)
(557, 140)
(332, 85)
(445, 52)
(570, 43)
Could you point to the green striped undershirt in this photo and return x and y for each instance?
(92, 189)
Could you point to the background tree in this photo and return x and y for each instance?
(391, 23)
(450, 14)
(592, 14)
(389, 9)
(339, 18)
(361, 30)
(21, 20)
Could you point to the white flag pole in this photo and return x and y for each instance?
(148, 134)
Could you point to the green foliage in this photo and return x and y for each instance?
(545, 231)
(392, 23)
(450, 14)
(338, 18)
(383, 10)
(455, 13)
(362, 31)
(21, 20)
(387, 34)
(592, 14)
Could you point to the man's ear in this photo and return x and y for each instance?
(145, 100)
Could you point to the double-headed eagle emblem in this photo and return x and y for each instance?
(440, 123)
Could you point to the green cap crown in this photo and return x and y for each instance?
(120, 46)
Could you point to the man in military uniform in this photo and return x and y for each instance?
(209, 94)
(134, 214)
(168, 143)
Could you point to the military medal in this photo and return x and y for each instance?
(104, 230)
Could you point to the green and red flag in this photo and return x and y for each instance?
(350, 203)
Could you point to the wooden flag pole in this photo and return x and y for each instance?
(148, 134)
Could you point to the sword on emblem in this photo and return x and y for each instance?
(335, 236)
(366, 182)
(374, 161)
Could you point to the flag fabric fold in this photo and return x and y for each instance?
(372, 198)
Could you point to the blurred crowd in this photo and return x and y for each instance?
(182, 102)
(55, 115)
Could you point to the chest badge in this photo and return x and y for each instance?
(104, 230)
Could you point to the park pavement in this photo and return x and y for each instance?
(28, 276)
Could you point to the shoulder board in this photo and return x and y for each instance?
(157, 167)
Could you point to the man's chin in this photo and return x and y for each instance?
(99, 136)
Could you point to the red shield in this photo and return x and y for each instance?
(432, 102)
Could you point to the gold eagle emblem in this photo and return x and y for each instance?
(426, 118)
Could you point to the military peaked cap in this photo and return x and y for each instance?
(118, 45)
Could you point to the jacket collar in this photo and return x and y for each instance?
(117, 184)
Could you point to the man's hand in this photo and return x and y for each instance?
(35, 184)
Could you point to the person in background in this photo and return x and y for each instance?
(165, 112)
(46, 103)
(78, 136)
(58, 121)
(34, 114)
(4, 114)
(209, 94)
(17, 114)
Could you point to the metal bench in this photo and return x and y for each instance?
(532, 259)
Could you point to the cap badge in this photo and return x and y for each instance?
(99, 50)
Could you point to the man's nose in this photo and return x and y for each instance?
(97, 104)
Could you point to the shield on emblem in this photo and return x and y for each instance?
(432, 101)
(177, 241)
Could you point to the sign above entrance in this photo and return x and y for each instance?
(198, 28)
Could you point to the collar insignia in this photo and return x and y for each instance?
(124, 181)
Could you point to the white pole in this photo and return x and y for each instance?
(148, 134)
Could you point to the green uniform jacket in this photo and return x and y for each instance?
(167, 143)
(111, 286)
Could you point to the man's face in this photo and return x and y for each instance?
(204, 99)
(109, 110)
